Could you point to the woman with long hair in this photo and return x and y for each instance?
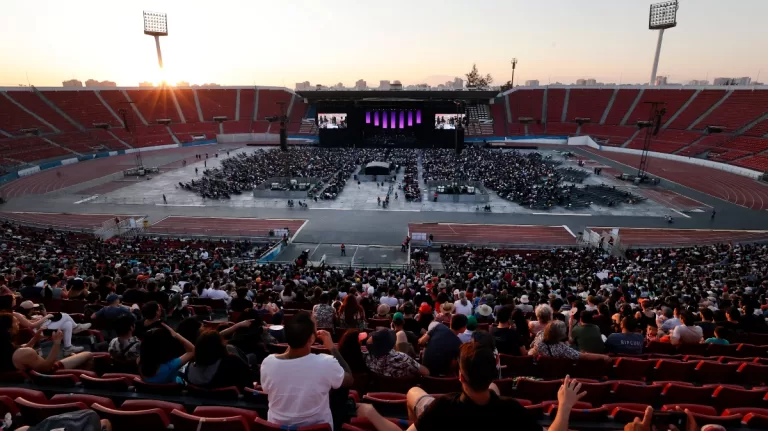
(349, 347)
(157, 363)
(521, 326)
(215, 367)
(24, 357)
(351, 314)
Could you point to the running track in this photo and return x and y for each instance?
(495, 234)
(642, 237)
(733, 188)
(221, 226)
(62, 220)
(670, 199)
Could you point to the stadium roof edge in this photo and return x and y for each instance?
(228, 87)
(642, 87)
(315, 96)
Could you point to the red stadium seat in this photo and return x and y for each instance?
(131, 420)
(714, 372)
(750, 350)
(636, 393)
(722, 349)
(632, 369)
(223, 412)
(392, 384)
(365, 424)
(158, 389)
(752, 374)
(262, 425)
(59, 380)
(755, 421)
(516, 365)
(228, 393)
(388, 403)
(591, 369)
(86, 399)
(679, 394)
(725, 397)
(549, 368)
(33, 413)
(692, 349)
(583, 415)
(13, 377)
(115, 384)
(659, 347)
(186, 422)
(673, 370)
(8, 406)
(537, 391)
(27, 394)
(137, 405)
(626, 412)
(440, 385)
(597, 393)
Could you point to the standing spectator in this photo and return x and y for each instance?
(298, 382)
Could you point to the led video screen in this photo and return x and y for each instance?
(332, 121)
(448, 121)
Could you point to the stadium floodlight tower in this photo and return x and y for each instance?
(156, 24)
(662, 16)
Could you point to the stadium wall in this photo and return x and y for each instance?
(691, 160)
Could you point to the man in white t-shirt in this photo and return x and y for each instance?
(298, 382)
(390, 299)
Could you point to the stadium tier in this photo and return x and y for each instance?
(68, 117)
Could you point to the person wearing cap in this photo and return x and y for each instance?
(466, 336)
(112, 310)
(405, 339)
(442, 345)
(424, 318)
(446, 312)
(382, 358)
(524, 304)
(484, 313)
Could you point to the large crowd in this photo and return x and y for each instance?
(372, 322)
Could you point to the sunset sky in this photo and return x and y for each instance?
(283, 42)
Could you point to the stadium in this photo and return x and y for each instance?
(180, 257)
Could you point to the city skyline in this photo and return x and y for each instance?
(554, 41)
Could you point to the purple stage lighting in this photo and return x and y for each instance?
(393, 118)
(376, 118)
(410, 118)
(367, 117)
(385, 119)
(418, 116)
(402, 119)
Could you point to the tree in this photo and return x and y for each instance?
(506, 86)
(475, 79)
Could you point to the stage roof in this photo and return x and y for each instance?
(391, 96)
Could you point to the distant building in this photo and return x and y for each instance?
(182, 84)
(396, 86)
(339, 86)
(458, 84)
(698, 82)
(532, 83)
(384, 85)
(361, 85)
(661, 80)
(421, 87)
(72, 83)
(97, 83)
(744, 80)
(591, 81)
(303, 86)
(146, 84)
(211, 84)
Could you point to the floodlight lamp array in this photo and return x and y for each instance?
(663, 15)
(155, 23)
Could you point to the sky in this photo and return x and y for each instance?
(281, 42)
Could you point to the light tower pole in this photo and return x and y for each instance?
(662, 16)
(156, 24)
(514, 64)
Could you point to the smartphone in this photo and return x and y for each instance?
(662, 420)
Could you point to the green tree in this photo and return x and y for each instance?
(474, 78)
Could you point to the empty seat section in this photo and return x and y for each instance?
(217, 103)
(747, 143)
(616, 135)
(117, 101)
(80, 142)
(588, 103)
(760, 129)
(698, 106)
(674, 99)
(242, 126)
(29, 149)
(154, 104)
(526, 103)
(13, 118)
(657, 146)
(561, 129)
(704, 144)
(298, 110)
(623, 102)
(35, 104)
(758, 163)
(272, 103)
(186, 132)
(555, 101)
(186, 99)
(535, 129)
(82, 106)
(148, 136)
(499, 116)
(738, 110)
(247, 100)
(103, 137)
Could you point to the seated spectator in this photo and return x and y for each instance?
(720, 337)
(398, 325)
(424, 318)
(478, 399)
(466, 336)
(350, 350)
(750, 322)
(390, 300)
(25, 357)
(551, 342)
(382, 311)
(707, 322)
(152, 314)
(669, 320)
(215, 292)
(214, 367)
(463, 306)
(29, 290)
(351, 314)
(53, 288)
(446, 311)
(77, 289)
(80, 420)
(586, 336)
(241, 302)
(325, 315)
(524, 305)
(383, 360)
(133, 293)
(628, 342)
(686, 332)
(298, 382)
(543, 317)
(484, 313)
(158, 363)
(520, 326)
(124, 349)
(733, 320)
(442, 345)
(112, 311)
(507, 339)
